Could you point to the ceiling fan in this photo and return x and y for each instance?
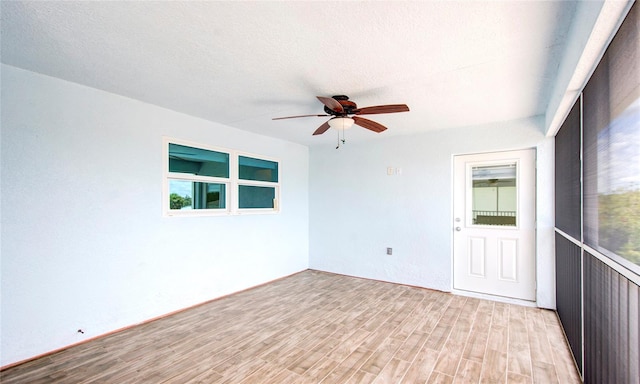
(342, 109)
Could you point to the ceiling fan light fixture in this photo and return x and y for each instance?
(341, 123)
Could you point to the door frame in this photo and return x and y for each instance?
(534, 302)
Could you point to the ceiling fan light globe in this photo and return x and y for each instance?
(341, 123)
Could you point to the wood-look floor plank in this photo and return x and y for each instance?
(381, 356)
(438, 337)
(452, 352)
(421, 367)
(316, 327)
(562, 357)
(409, 349)
(348, 367)
(393, 371)
(348, 345)
(320, 370)
(468, 372)
(544, 373)
(543, 368)
(431, 319)
(519, 359)
(514, 378)
(494, 369)
(207, 377)
(240, 370)
(361, 377)
(439, 378)
(449, 357)
(305, 362)
(476, 346)
(381, 334)
(519, 354)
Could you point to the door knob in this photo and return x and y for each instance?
(458, 229)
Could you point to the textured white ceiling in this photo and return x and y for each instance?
(242, 63)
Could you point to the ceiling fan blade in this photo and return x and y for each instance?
(295, 117)
(391, 108)
(331, 103)
(369, 124)
(322, 129)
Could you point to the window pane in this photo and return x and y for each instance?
(612, 186)
(494, 195)
(184, 194)
(256, 197)
(258, 169)
(197, 161)
(612, 149)
(568, 175)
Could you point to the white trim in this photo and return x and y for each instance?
(568, 237)
(621, 269)
(632, 276)
(204, 179)
(501, 299)
(233, 184)
(582, 333)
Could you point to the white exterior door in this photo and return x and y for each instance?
(494, 224)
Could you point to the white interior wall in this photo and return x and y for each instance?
(357, 210)
(84, 242)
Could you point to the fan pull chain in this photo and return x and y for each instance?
(340, 140)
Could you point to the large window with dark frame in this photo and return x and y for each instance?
(611, 146)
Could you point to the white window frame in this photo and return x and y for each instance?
(238, 182)
(232, 183)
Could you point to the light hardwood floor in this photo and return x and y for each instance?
(316, 327)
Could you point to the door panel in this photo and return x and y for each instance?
(508, 257)
(477, 257)
(494, 224)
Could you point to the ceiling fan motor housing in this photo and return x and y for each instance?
(349, 107)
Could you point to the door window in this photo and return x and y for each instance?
(494, 195)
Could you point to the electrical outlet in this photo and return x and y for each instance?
(389, 251)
